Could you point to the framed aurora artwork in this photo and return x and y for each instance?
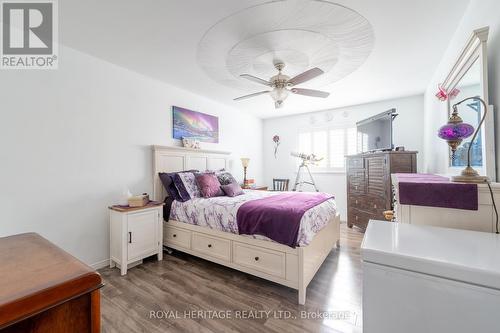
(194, 125)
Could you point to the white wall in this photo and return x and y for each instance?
(407, 132)
(73, 138)
(479, 13)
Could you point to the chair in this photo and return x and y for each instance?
(280, 184)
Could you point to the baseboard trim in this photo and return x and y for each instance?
(100, 264)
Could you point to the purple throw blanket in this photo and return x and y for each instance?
(277, 217)
(436, 191)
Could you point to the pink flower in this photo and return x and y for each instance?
(276, 140)
(443, 95)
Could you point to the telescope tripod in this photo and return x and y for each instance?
(298, 180)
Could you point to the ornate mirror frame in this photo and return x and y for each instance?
(475, 50)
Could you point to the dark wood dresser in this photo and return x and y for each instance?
(369, 190)
(44, 289)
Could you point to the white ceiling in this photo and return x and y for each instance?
(160, 39)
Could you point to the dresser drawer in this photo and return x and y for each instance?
(358, 218)
(355, 163)
(359, 201)
(263, 260)
(176, 236)
(356, 181)
(213, 247)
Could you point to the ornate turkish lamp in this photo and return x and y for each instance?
(454, 132)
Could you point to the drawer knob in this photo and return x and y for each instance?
(375, 206)
(356, 217)
(256, 258)
(356, 202)
(174, 235)
(209, 245)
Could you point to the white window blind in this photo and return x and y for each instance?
(337, 148)
(331, 145)
(320, 146)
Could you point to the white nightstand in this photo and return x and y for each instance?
(135, 233)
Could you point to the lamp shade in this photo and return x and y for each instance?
(245, 161)
(455, 131)
(458, 131)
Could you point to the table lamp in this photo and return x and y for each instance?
(244, 162)
(454, 132)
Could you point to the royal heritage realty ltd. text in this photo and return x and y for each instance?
(249, 314)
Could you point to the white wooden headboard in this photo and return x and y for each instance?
(172, 159)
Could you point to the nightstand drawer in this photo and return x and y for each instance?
(213, 247)
(263, 260)
(176, 236)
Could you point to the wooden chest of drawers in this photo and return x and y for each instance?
(44, 289)
(369, 183)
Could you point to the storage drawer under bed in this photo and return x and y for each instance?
(264, 260)
(214, 247)
(176, 236)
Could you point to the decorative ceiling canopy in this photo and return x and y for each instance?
(300, 33)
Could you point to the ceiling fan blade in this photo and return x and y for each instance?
(256, 79)
(251, 95)
(306, 76)
(310, 92)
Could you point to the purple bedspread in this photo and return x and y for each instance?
(277, 217)
(436, 191)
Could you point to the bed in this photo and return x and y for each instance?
(206, 228)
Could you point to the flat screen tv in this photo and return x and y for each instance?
(375, 133)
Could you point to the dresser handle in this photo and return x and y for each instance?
(375, 206)
(256, 258)
(356, 202)
(356, 217)
(174, 235)
(209, 245)
(130, 237)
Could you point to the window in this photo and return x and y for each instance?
(330, 144)
(471, 113)
(337, 148)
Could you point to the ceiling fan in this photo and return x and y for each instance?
(281, 82)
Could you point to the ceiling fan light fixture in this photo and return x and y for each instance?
(280, 82)
(279, 94)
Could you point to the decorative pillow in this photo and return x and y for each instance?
(225, 178)
(209, 185)
(232, 189)
(186, 185)
(167, 179)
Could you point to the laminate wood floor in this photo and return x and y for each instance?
(183, 293)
